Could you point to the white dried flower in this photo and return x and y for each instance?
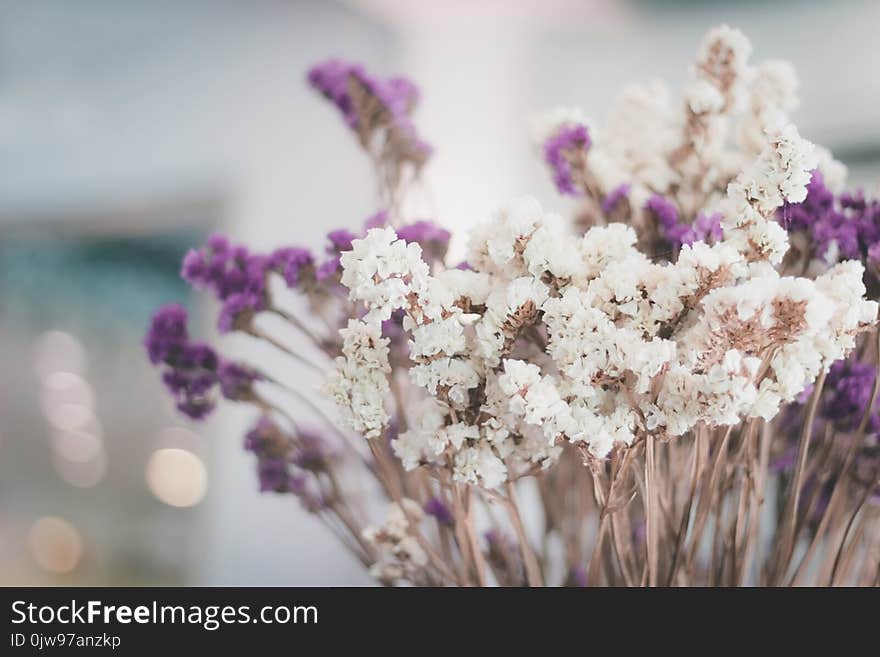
(382, 271)
(359, 384)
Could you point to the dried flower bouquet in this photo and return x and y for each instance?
(638, 396)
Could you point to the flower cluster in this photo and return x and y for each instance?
(237, 277)
(714, 275)
(834, 226)
(401, 556)
(289, 463)
(551, 339)
(379, 111)
(729, 156)
(192, 370)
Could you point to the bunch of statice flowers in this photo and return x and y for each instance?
(676, 386)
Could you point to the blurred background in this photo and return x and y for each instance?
(130, 130)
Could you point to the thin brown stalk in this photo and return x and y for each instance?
(651, 513)
(739, 526)
(302, 328)
(470, 530)
(849, 555)
(789, 518)
(533, 569)
(621, 549)
(707, 494)
(758, 475)
(262, 335)
(394, 491)
(849, 525)
(696, 470)
(839, 486)
(836, 496)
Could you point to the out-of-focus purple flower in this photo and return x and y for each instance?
(433, 239)
(273, 475)
(847, 392)
(393, 326)
(237, 381)
(233, 274)
(167, 335)
(666, 215)
(291, 262)
(614, 198)
(340, 240)
(707, 228)
(190, 368)
(435, 507)
(328, 268)
(331, 79)
(577, 577)
(277, 453)
(874, 255)
(804, 396)
(423, 232)
(784, 461)
(838, 227)
(272, 448)
(310, 451)
(567, 145)
(237, 312)
(676, 231)
(377, 220)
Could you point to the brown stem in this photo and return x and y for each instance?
(651, 512)
(533, 569)
(790, 516)
(707, 493)
(470, 530)
(699, 448)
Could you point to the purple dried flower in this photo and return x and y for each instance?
(369, 103)
(328, 268)
(340, 240)
(424, 232)
(168, 334)
(614, 198)
(277, 453)
(838, 227)
(233, 274)
(291, 262)
(568, 144)
(331, 79)
(847, 392)
(377, 220)
(310, 451)
(785, 461)
(237, 312)
(577, 577)
(433, 239)
(678, 232)
(273, 475)
(190, 368)
(874, 255)
(271, 446)
(707, 228)
(237, 381)
(437, 508)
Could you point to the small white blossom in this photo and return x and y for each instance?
(381, 271)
